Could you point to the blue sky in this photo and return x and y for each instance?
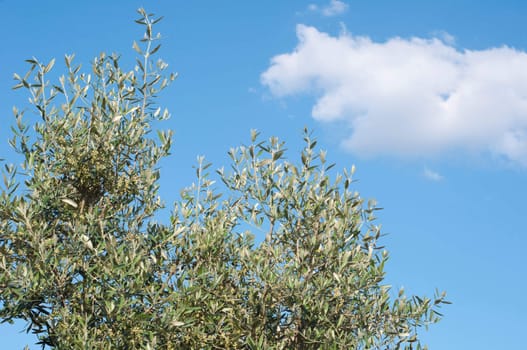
(427, 98)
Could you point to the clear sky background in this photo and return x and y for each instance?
(427, 98)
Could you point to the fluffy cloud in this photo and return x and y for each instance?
(432, 175)
(334, 8)
(409, 97)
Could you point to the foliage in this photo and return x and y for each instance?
(85, 264)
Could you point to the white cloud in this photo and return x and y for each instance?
(432, 175)
(334, 8)
(312, 7)
(409, 97)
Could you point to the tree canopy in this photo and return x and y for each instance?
(84, 262)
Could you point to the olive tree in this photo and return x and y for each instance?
(85, 264)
